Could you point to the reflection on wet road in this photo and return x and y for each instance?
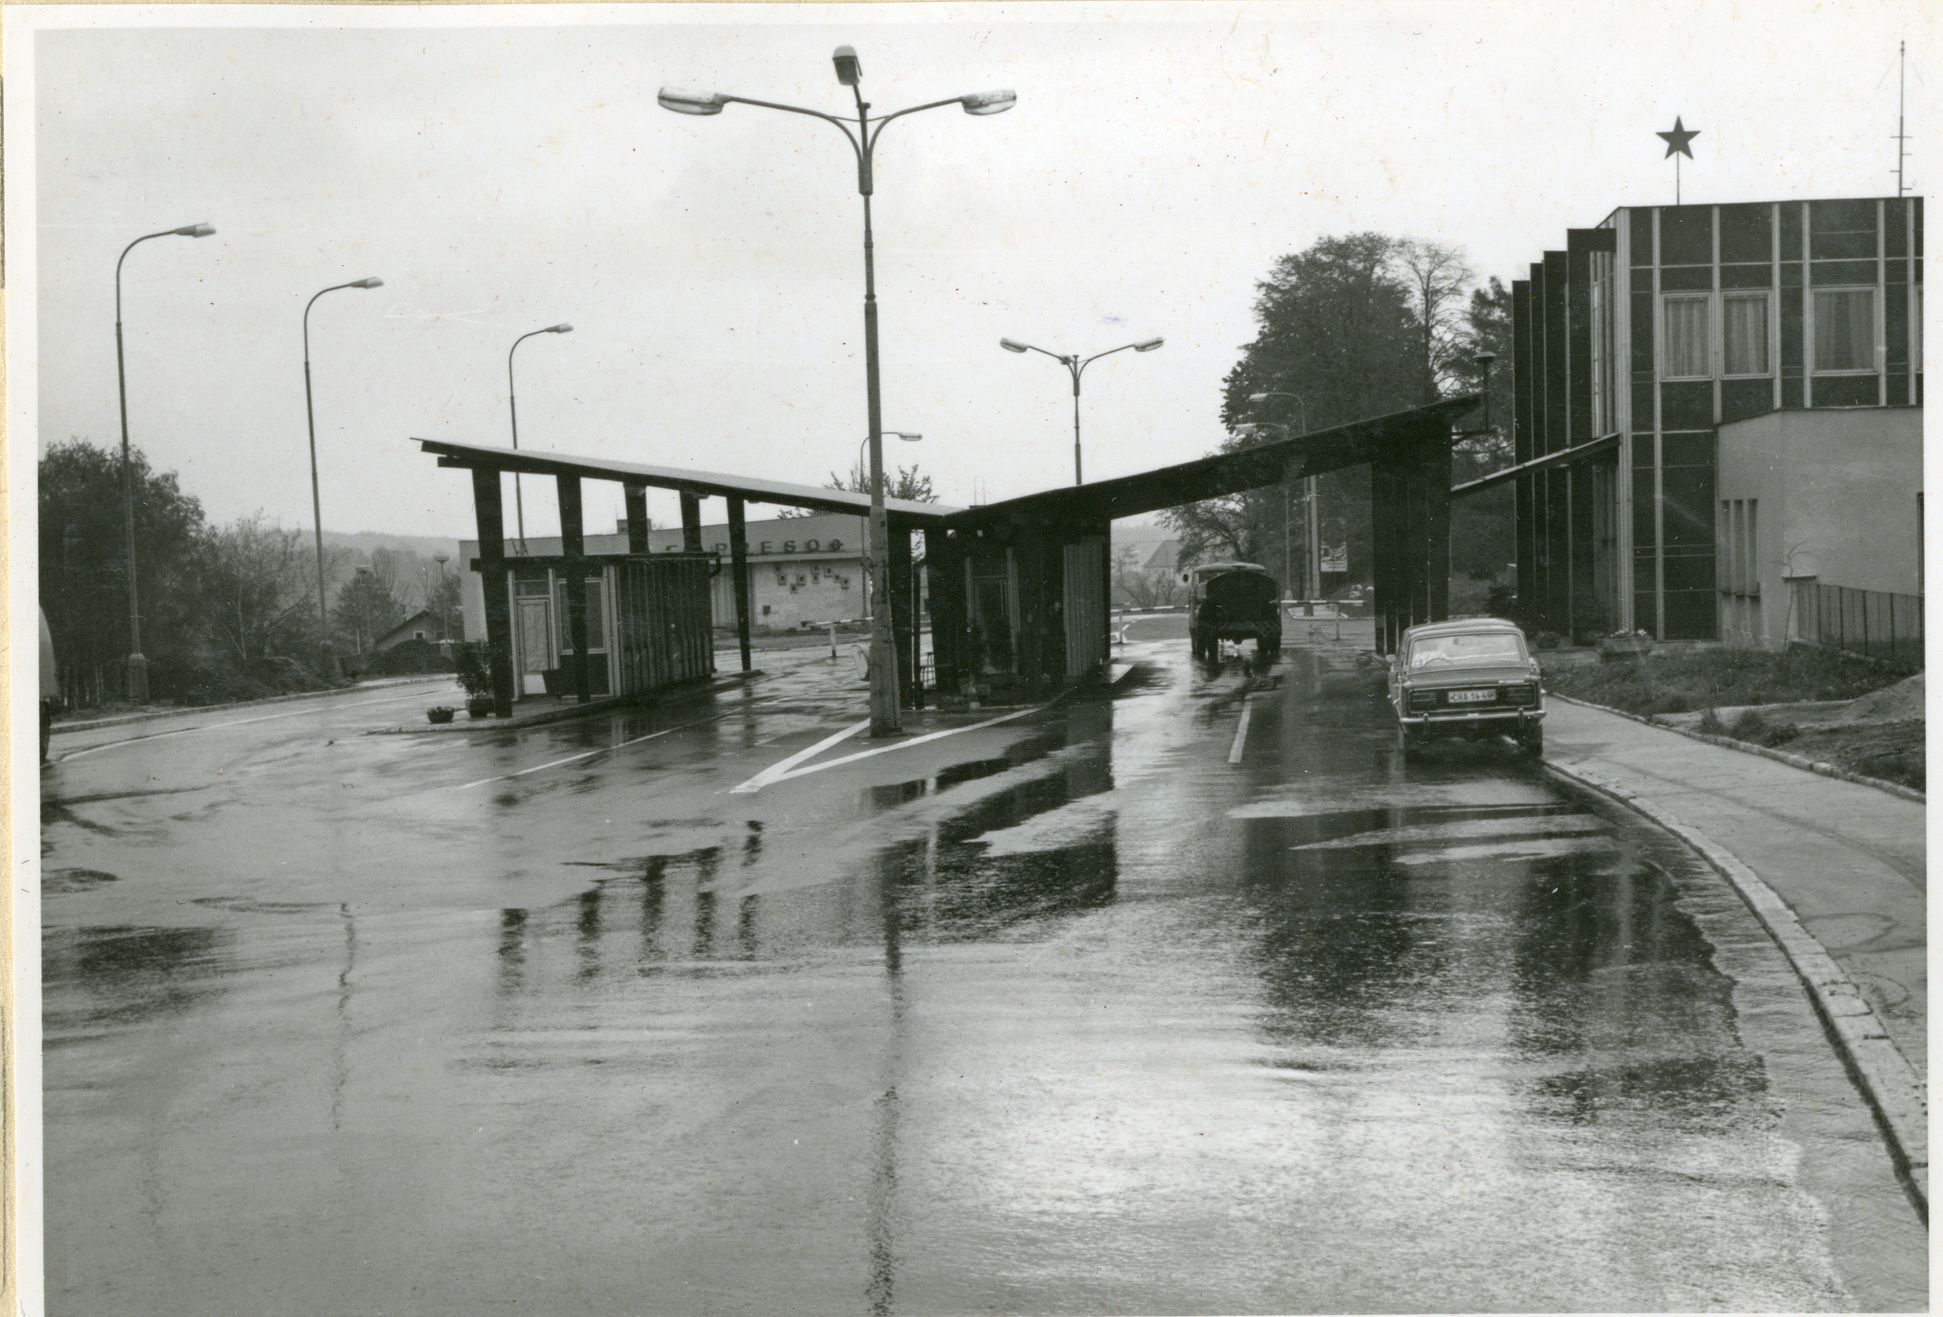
(1070, 1014)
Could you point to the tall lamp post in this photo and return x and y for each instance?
(512, 402)
(1075, 366)
(863, 143)
(316, 504)
(1312, 586)
(137, 663)
(442, 558)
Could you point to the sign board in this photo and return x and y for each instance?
(1335, 557)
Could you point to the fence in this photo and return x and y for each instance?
(1872, 623)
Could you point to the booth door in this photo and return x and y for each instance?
(535, 643)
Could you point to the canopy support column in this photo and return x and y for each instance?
(573, 546)
(491, 516)
(739, 574)
(636, 499)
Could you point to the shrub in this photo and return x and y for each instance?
(1711, 725)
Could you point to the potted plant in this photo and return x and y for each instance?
(476, 677)
(440, 713)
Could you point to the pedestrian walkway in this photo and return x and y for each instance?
(1848, 859)
(1835, 869)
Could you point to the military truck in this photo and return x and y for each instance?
(1233, 601)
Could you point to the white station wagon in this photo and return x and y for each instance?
(1474, 678)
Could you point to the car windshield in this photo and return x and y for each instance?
(1466, 651)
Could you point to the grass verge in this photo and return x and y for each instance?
(1680, 683)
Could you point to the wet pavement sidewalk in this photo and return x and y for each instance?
(1847, 860)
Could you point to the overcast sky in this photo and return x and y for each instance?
(503, 169)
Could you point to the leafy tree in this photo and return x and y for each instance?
(1481, 524)
(1338, 331)
(1140, 587)
(84, 570)
(365, 609)
(1438, 277)
(443, 598)
(255, 590)
(909, 483)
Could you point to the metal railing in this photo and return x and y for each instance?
(1873, 623)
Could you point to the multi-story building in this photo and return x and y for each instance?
(1706, 398)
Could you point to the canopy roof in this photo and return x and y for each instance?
(1232, 472)
(1122, 496)
(756, 489)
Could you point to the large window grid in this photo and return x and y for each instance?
(1845, 331)
(1745, 349)
(1685, 344)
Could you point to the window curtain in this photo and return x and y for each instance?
(1686, 337)
(1845, 329)
(1744, 328)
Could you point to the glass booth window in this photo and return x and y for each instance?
(1685, 344)
(1744, 333)
(1845, 329)
(596, 621)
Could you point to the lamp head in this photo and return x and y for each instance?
(562, 328)
(1485, 358)
(372, 282)
(1148, 345)
(850, 70)
(1260, 397)
(690, 102)
(908, 436)
(1011, 346)
(988, 102)
(195, 230)
(1248, 427)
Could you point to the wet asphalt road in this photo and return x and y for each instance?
(1110, 1007)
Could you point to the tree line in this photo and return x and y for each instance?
(227, 612)
(1357, 326)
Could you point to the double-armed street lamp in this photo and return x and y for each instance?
(512, 403)
(316, 504)
(1075, 366)
(137, 663)
(863, 143)
(1312, 587)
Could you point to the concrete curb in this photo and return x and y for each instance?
(1896, 1093)
(474, 726)
(1746, 747)
(182, 710)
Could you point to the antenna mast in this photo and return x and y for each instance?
(1902, 138)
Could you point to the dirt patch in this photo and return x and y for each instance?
(1892, 751)
(1892, 704)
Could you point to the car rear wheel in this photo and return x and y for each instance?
(1531, 740)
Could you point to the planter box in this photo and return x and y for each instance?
(1616, 648)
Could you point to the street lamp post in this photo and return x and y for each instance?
(137, 663)
(445, 629)
(863, 142)
(512, 403)
(1312, 546)
(316, 503)
(1074, 365)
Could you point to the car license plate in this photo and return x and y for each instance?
(1472, 697)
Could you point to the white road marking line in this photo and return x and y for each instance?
(1241, 732)
(776, 771)
(234, 722)
(608, 749)
(898, 745)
